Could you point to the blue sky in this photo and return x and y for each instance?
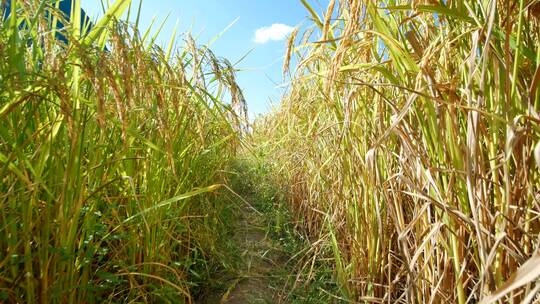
(261, 69)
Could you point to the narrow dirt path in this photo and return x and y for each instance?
(268, 261)
(262, 273)
(263, 263)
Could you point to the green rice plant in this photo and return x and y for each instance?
(111, 160)
(406, 143)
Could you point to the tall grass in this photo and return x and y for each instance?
(109, 159)
(406, 144)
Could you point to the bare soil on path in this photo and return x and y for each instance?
(262, 272)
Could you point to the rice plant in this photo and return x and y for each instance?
(112, 151)
(406, 147)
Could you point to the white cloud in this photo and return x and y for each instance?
(275, 32)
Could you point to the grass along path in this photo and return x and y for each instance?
(261, 261)
(262, 264)
(267, 252)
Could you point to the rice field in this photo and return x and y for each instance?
(408, 145)
(112, 156)
(405, 150)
